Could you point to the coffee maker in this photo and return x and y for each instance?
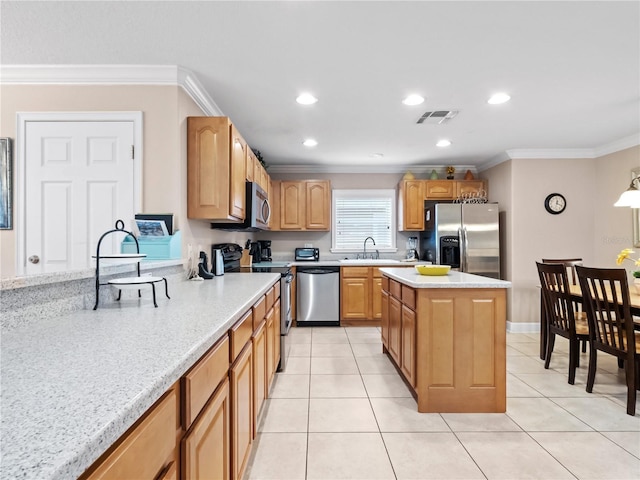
(265, 250)
(412, 245)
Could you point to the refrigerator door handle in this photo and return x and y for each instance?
(462, 232)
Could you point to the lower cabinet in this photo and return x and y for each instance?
(259, 345)
(203, 427)
(408, 345)
(241, 380)
(395, 312)
(149, 450)
(206, 451)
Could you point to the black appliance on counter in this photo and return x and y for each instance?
(231, 253)
(265, 250)
(307, 254)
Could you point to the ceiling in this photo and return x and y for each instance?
(572, 70)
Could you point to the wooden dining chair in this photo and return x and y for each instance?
(570, 264)
(561, 318)
(605, 293)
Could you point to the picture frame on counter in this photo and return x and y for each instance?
(6, 184)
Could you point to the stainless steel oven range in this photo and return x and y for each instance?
(231, 254)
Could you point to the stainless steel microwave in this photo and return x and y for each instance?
(257, 211)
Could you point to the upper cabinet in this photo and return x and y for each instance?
(216, 169)
(300, 205)
(413, 193)
(411, 205)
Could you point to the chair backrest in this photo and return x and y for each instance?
(556, 296)
(605, 294)
(569, 263)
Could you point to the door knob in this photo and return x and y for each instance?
(34, 259)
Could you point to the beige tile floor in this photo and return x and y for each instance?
(340, 411)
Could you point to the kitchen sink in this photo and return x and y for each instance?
(369, 261)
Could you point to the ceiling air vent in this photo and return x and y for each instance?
(437, 117)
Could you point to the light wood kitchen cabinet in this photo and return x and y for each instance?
(470, 187)
(411, 205)
(241, 380)
(384, 300)
(459, 336)
(361, 294)
(408, 344)
(206, 448)
(292, 205)
(395, 312)
(259, 345)
(250, 160)
(149, 449)
(355, 292)
(439, 190)
(273, 340)
(305, 205)
(318, 205)
(216, 169)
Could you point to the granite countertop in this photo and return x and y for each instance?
(453, 279)
(72, 385)
(342, 263)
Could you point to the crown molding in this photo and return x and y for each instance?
(187, 80)
(618, 145)
(111, 75)
(419, 170)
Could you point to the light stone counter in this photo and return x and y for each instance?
(453, 279)
(73, 384)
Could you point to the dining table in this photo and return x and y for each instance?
(576, 296)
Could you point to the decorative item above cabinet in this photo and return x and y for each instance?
(413, 193)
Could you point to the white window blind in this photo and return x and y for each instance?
(358, 214)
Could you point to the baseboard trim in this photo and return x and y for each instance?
(523, 327)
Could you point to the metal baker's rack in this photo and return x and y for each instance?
(126, 282)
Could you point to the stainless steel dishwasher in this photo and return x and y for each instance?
(318, 296)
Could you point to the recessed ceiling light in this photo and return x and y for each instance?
(413, 100)
(499, 98)
(443, 143)
(377, 155)
(310, 142)
(306, 99)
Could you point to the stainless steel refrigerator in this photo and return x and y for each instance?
(463, 235)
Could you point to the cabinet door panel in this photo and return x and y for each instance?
(355, 298)
(440, 189)
(146, 451)
(318, 205)
(237, 196)
(376, 298)
(241, 380)
(394, 328)
(259, 371)
(408, 348)
(412, 205)
(292, 205)
(385, 319)
(208, 167)
(206, 447)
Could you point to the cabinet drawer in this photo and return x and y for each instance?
(355, 272)
(270, 298)
(376, 272)
(277, 290)
(409, 297)
(148, 449)
(259, 311)
(385, 284)
(241, 334)
(394, 289)
(200, 382)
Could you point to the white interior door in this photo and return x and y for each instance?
(79, 179)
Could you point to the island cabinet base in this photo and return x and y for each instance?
(455, 357)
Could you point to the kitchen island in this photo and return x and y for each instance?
(446, 336)
(73, 384)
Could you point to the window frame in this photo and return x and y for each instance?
(360, 193)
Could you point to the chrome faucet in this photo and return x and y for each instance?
(364, 254)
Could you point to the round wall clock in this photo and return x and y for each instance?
(555, 203)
